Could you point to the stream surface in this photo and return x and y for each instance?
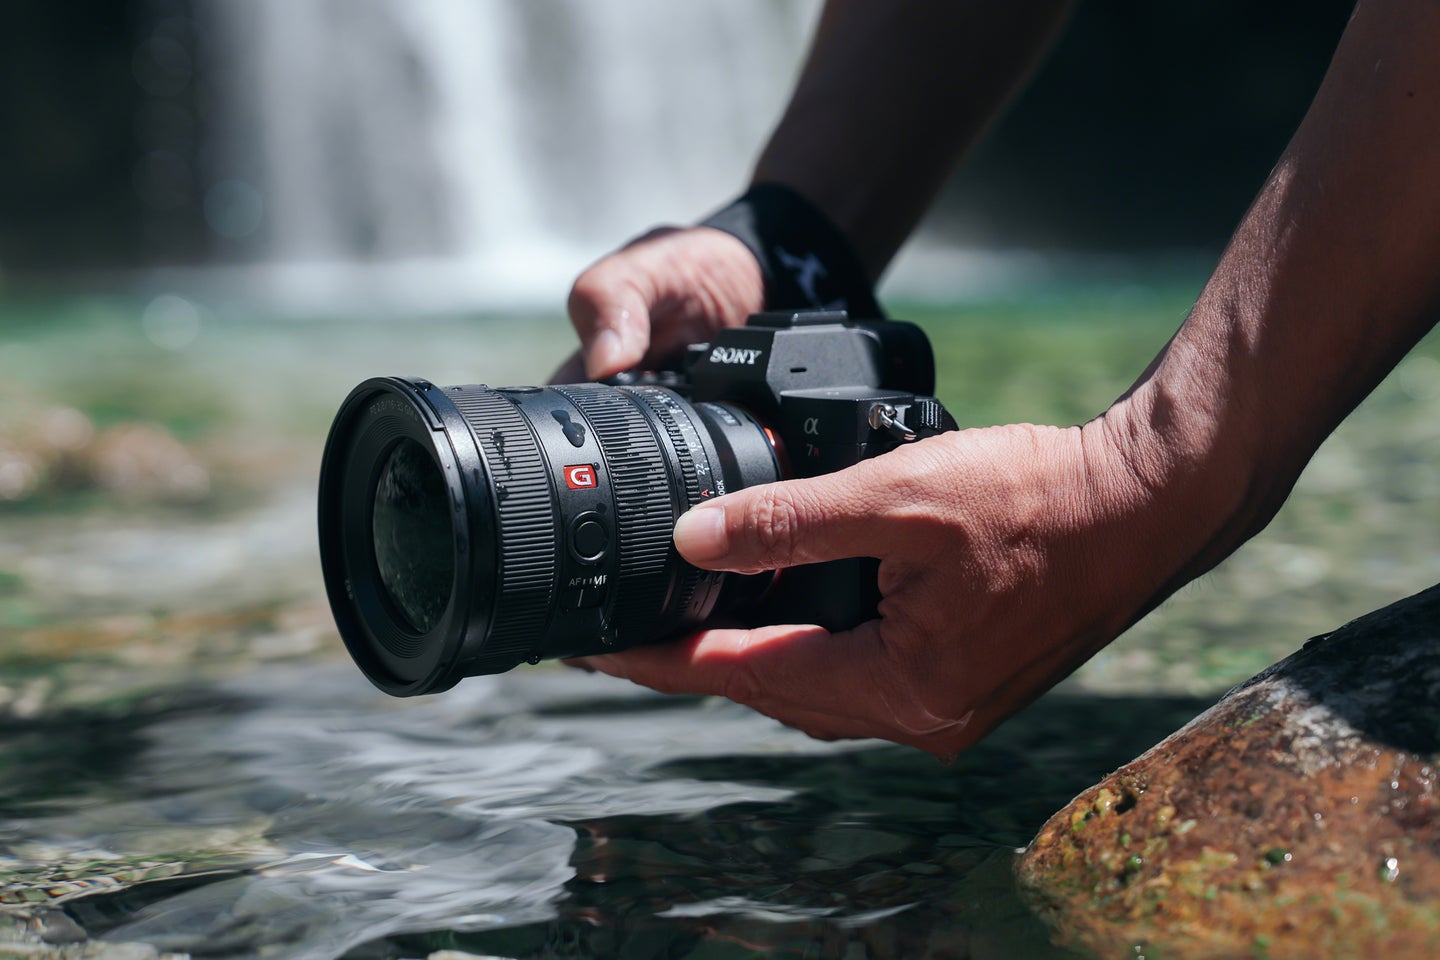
(189, 765)
(291, 811)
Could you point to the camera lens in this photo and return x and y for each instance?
(464, 530)
(414, 549)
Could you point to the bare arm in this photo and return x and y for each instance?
(1010, 555)
(893, 93)
(892, 96)
(1332, 276)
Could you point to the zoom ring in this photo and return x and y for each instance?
(644, 512)
(527, 529)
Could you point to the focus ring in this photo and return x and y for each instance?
(525, 511)
(686, 449)
(689, 475)
(644, 512)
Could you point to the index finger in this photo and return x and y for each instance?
(612, 317)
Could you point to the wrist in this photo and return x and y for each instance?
(806, 261)
(1173, 484)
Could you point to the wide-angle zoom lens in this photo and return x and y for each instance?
(466, 529)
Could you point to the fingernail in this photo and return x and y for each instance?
(605, 355)
(700, 535)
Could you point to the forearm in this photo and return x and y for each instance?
(892, 95)
(1332, 276)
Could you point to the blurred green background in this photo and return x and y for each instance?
(216, 217)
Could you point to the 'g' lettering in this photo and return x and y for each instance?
(581, 476)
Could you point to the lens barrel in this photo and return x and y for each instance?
(464, 529)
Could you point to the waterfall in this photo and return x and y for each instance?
(477, 152)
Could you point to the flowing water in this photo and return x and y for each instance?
(290, 811)
(189, 766)
(474, 151)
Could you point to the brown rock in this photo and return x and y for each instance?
(143, 461)
(1295, 818)
(47, 449)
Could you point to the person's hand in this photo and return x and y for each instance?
(641, 305)
(1008, 556)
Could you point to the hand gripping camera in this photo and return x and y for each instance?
(467, 529)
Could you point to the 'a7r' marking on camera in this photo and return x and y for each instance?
(580, 476)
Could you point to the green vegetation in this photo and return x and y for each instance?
(1060, 358)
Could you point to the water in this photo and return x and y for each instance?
(189, 765)
(291, 811)
(476, 152)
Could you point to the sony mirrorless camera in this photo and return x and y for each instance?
(467, 529)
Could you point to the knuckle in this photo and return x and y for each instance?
(604, 283)
(773, 523)
(930, 476)
(741, 684)
(587, 294)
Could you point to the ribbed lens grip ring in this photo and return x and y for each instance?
(527, 522)
(684, 448)
(645, 509)
(696, 473)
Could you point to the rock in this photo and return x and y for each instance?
(143, 461)
(1295, 818)
(53, 926)
(48, 450)
(21, 471)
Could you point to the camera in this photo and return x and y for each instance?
(467, 529)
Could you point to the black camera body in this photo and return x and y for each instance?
(815, 376)
(465, 529)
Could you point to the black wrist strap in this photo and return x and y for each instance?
(804, 257)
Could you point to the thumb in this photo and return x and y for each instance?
(783, 525)
(612, 318)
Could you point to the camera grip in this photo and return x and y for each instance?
(837, 595)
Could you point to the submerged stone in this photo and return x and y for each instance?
(1295, 818)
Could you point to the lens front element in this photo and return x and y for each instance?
(413, 539)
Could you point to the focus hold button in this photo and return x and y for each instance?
(588, 538)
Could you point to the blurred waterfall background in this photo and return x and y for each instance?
(477, 152)
(423, 155)
(437, 154)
